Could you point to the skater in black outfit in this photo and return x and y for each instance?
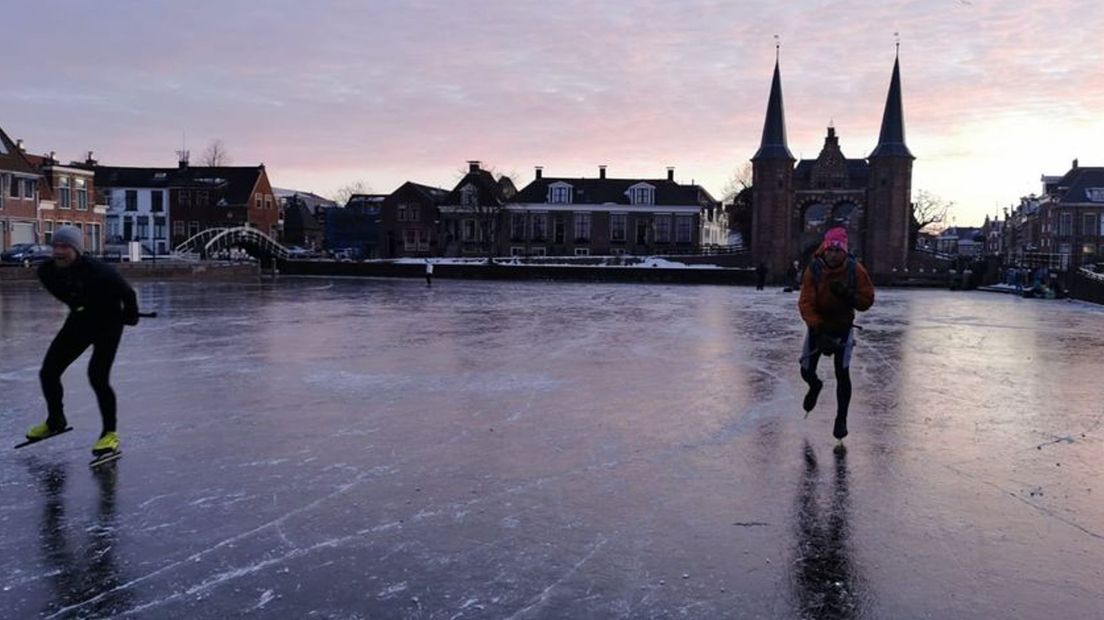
(100, 304)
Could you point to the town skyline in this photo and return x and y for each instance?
(386, 94)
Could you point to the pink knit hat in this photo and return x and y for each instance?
(835, 238)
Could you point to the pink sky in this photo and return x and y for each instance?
(327, 93)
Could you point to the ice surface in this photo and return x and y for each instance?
(377, 448)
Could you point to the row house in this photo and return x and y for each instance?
(162, 207)
(473, 212)
(1073, 216)
(410, 221)
(611, 216)
(18, 195)
(67, 196)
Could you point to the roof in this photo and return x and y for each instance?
(891, 139)
(773, 145)
(1075, 185)
(11, 158)
(615, 191)
(491, 192)
(858, 173)
(237, 182)
(299, 217)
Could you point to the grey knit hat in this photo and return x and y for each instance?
(70, 236)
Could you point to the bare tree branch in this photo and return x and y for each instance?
(928, 210)
(216, 154)
(342, 194)
(738, 182)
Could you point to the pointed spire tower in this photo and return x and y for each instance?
(772, 185)
(890, 191)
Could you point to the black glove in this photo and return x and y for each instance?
(130, 318)
(841, 290)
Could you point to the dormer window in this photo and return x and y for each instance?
(642, 194)
(1095, 194)
(469, 197)
(559, 193)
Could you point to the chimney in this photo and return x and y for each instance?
(90, 160)
(50, 158)
(670, 173)
(539, 171)
(182, 158)
(473, 165)
(1075, 164)
(19, 145)
(602, 172)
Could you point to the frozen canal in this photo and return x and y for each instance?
(377, 449)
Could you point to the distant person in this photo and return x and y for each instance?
(791, 277)
(760, 276)
(429, 272)
(100, 304)
(833, 287)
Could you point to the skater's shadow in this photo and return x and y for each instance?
(80, 556)
(824, 574)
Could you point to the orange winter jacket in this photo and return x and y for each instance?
(823, 310)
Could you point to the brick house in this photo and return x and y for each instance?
(410, 221)
(18, 195)
(67, 196)
(584, 216)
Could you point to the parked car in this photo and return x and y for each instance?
(27, 254)
(301, 253)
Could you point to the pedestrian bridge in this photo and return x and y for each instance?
(212, 241)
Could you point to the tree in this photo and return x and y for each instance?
(216, 154)
(927, 210)
(342, 194)
(737, 200)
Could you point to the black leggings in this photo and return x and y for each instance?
(76, 336)
(843, 381)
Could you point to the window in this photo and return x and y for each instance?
(536, 252)
(423, 240)
(683, 226)
(178, 228)
(1088, 224)
(400, 215)
(157, 201)
(558, 230)
(143, 226)
(516, 251)
(63, 193)
(642, 195)
(410, 240)
(47, 231)
(268, 201)
(469, 230)
(517, 226)
(94, 237)
(186, 198)
(663, 229)
(256, 201)
(13, 186)
(468, 197)
(617, 227)
(559, 194)
(582, 228)
(582, 251)
(201, 198)
(159, 228)
(131, 200)
(82, 194)
(30, 186)
(193, 228)
(1065, 224)
(1088, 249)
(412, 212)
(538, 223)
